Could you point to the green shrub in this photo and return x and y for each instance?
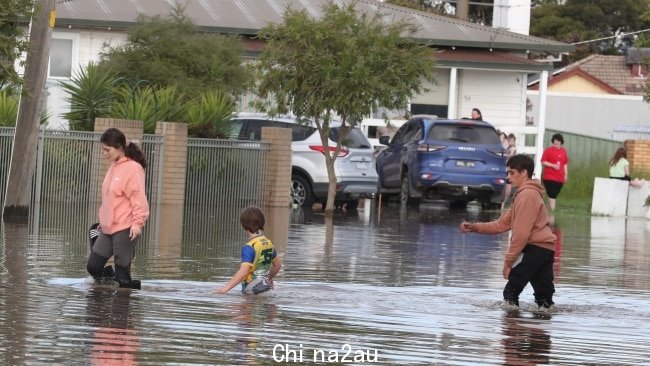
(90, 92)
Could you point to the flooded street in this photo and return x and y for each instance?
(381, 286)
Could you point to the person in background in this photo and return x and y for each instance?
(503, 139)
(619, 168)
(512, 146)
(511, 151)
(476, 114)
(531, 251)
(124, 208)
(556, 169)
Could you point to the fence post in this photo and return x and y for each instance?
(278, 177)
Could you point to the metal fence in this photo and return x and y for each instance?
(586, 151)
(222, 177)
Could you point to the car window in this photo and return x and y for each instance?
(471, 134)
(300, 132)
(252, 128)
(399, 135)
(354, 140)
(413, 133)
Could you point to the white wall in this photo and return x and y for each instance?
(592, 115)
(500, 95)
(88, 44)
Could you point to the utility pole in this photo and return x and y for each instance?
(23, 155)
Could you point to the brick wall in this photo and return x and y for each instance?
(638, 154)
(278, 177)
(175, 162)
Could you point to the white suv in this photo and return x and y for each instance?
(355, 166)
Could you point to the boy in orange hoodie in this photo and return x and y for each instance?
(532, 246)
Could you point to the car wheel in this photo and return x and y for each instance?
(301, 194)
(404, 197)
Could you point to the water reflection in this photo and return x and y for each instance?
(108, 313)
(525, 341)
(402, 281)
(14, 285)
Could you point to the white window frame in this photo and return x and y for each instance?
(74, 64)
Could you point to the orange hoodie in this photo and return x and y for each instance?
(124, 203)
(526, 218)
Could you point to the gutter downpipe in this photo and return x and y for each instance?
(541, 125)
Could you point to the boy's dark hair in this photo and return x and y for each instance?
(252, 219)
(558, 137)
(521, 162)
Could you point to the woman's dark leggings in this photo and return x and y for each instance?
(535, 267)
(121, 248)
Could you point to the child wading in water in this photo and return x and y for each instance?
(259, 260)
(532, 246)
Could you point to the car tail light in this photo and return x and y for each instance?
(428, 148)
(500, 152)
(332, 149)
(500, 181)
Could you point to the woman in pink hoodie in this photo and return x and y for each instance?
(124, 208)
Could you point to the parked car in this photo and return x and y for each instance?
(455, 160)
(355, 165)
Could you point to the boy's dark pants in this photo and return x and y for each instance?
(535, 267)
(121, 248)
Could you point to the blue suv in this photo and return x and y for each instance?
(454, 160)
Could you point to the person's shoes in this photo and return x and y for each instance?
(546, 306)
(135, 284)
(108, 272)
(510, 304)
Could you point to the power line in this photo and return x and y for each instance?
(616, 36)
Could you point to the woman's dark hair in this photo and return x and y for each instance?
(520, 162)
(115, 138)
(558, 137)
(252, 219)
(620, 153)
(480, 115)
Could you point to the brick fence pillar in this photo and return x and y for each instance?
(638, 154)
(175, 161)
(172, 198)
(278, 175)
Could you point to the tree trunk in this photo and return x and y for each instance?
(23, 156)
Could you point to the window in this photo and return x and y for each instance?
(354, 140)
(464, 133)
(63, 55)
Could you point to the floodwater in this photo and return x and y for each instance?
(380, 286)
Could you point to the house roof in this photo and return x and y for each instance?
(468, 58)
(247, 17)
(613, 71)
(583, 74)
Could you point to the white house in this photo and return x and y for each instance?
(478, 66)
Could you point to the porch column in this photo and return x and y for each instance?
(541, 124)
(453, 93)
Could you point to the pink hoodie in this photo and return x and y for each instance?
(124, 203)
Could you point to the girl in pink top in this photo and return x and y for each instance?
(124, 208)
